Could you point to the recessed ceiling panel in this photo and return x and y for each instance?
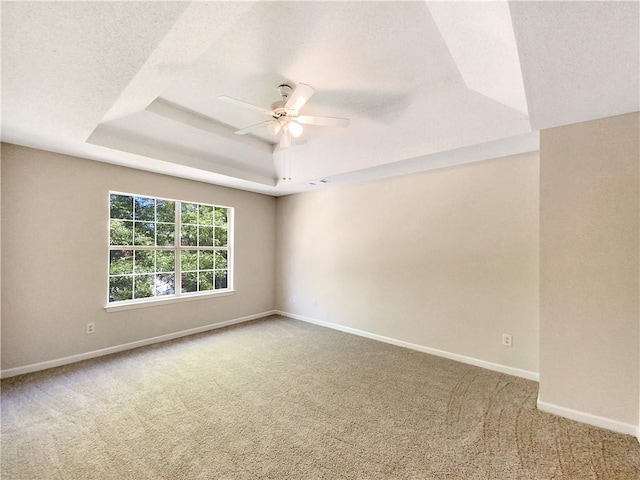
(361, 57)
(422, 83)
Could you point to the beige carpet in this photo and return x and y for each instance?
(282, 399)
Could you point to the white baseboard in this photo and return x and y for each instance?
(34, 367)
(589, 419)
(517, 372)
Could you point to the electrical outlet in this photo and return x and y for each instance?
(506, 340)
(91, 327)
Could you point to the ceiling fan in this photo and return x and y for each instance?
(285, 114)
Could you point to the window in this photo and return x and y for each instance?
(161, 248)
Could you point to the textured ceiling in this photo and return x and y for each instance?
(425, 84)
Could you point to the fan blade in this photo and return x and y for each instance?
(285, 141)
(323, 121)
(250, 106)
(299, 96)
(252, 127)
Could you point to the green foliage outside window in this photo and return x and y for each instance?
(144, 257)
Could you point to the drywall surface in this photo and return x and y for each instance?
(446, 259)
(55, 212)
(589, 291)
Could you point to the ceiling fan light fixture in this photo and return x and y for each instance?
(285, 114)
(295, 129)
(273, 127)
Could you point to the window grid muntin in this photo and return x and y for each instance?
(199, 270)
(177, 248)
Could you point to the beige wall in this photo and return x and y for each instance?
(446, 259)
(589, 289)
(54, 256)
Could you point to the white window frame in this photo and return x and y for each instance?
(177, 248)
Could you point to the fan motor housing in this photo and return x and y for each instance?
(278, 107)
(279, 110)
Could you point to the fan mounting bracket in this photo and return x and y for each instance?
(285, 90)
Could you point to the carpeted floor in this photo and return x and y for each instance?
(282, 399)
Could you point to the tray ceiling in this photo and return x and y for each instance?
(425, 84)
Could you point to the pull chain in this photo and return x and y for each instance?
(286, 165)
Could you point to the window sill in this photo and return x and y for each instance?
(154, 302)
